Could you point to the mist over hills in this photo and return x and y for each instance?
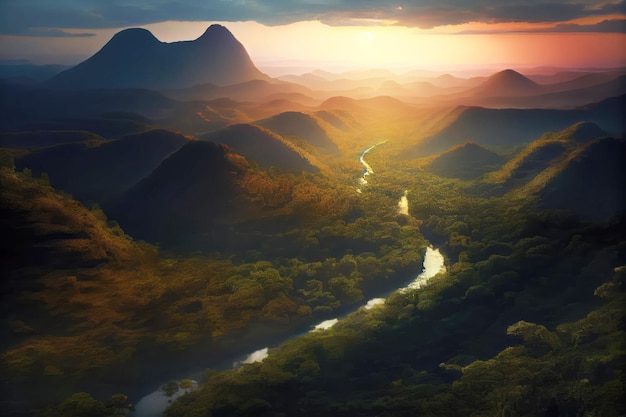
(135, 58)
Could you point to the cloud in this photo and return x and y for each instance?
(22, 17)
(605, 26)
(53, 33)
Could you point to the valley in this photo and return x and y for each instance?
(168, 208)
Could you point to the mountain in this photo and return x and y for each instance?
(96, 171)
(135, 58)
(506, 83)
(303, 126)
(592, 184)
(262, 146)
(465, 162)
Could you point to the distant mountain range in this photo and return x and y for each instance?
(135, 58)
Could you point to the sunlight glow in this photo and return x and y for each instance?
(312, 44)
(326, 324)
(256, 356)
(374, 302)
(403, 204)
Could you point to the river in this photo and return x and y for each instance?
(368, 168)
(153, 404)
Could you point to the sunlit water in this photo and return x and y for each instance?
(368, 168)
(403, 204)
(152, 405)
(326, 324)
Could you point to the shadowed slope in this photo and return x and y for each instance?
(548, 150)
(187, 193)
(592, 184)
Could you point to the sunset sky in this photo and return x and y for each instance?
(294, 36)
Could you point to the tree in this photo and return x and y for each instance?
(187, 384)
(170, 388)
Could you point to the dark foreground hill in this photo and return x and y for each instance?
(189, 194)
(135, 58)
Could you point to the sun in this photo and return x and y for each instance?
(366, 38)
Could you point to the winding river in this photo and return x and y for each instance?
(368, 168)
(153, 404)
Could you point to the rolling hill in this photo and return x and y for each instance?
(465, 162)
(544, 152)
(262, 146)
(303, 126)
(135, 58)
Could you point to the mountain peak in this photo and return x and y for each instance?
(216, 32)
(134, 37)
(507, 83)
(510, 76)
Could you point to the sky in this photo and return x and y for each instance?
(300, 35)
